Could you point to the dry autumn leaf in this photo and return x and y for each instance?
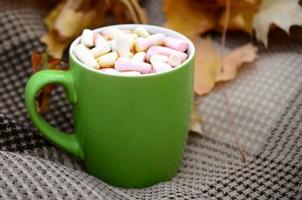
(235, 59)
(208, 64)
(281, 13)
(241, 14)
(190, 17)
(193, 17)
(42, 61)
(196, 119)
(70, 17)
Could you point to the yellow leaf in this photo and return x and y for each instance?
(55, 46)
(208, 64)
(68, 23)
(235, 59)
(196, 119)
(49, 20)
(190, 17)
(70, 17)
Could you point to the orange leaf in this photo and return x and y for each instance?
(241, 14)
(190, 17)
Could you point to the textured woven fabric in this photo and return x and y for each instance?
(265, 100)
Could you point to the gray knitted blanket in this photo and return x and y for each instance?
(265, 99)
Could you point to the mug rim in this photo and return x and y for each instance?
(166, 31)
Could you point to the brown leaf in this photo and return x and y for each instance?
(137, 14)
(42, 61)
(36, 61)
(208, 64)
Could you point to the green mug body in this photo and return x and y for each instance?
(130, 131)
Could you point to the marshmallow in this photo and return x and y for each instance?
(126, 64)
(143, 44)
(132, 36)
(112, 45)
(140, 56)
(100, 50)
(126, 31)
(115, 72)
(140, 31)
(107, 60)
(110, 71)
(174, 60)
(130, 73)
(177, 44)
(160, 67)
(158, 58)
(165, 51)
(99, 40)
(87, 38)
(122, 45)
(131, 44)
(84, 55)
(112, 33)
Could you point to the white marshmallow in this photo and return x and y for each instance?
(112, 33)
(158, 58)
(130, 73)
(160, 67)
(107, 60)
(126, 64)
(87, 38)
(132, 36)
(140, 56)
(112, 45)
(100, 50)
(142, 44)
(100, 40)
(110, 71)
(84, 55)
(140, 31)
(174, 60)
(122, 45)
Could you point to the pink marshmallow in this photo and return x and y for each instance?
(165, 51)
(127, 64)
(177, 44)
(142, 44)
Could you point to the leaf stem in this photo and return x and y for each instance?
(224, 94)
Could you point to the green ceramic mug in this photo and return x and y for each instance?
(129, 131)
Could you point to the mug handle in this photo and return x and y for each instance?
(69, 142)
